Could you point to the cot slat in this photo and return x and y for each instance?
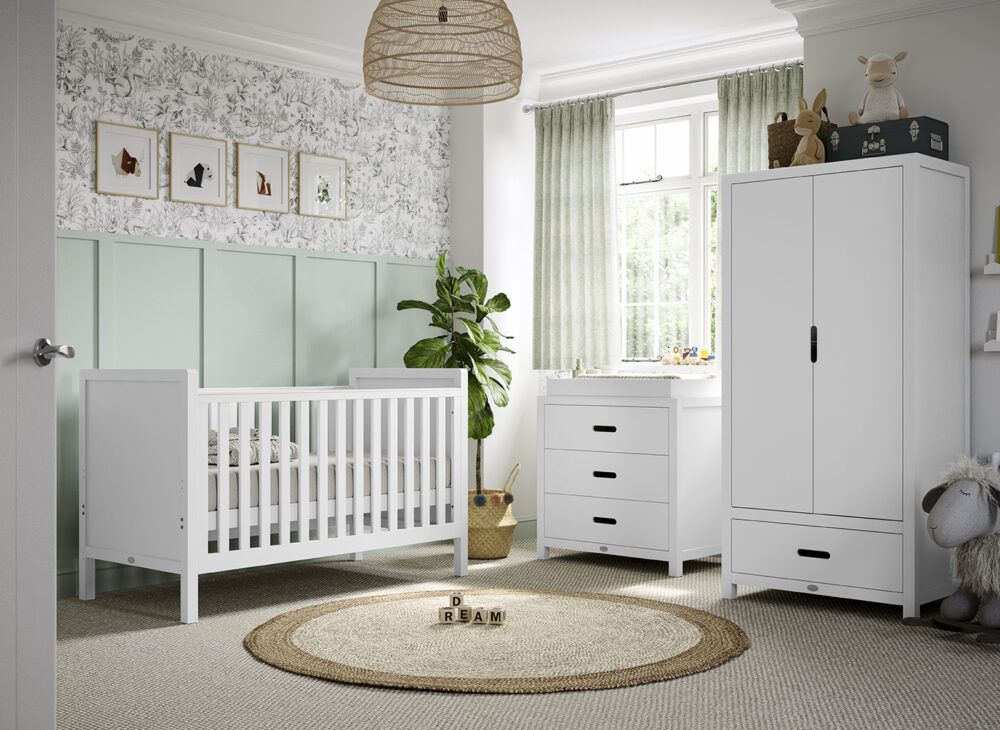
(425, 461)
(222, 481)
(442, 462)
(284, 474)
(391, 458)
(340, 505)
(302, 436)
(358, 458)
(322, 471)
(408, 464)
(376, 451)
(245, 416)
(264, 477)
(458, 487)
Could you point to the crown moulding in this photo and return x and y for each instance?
(815, 17)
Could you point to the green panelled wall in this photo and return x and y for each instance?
(241, 316)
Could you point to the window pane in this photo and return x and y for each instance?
(674, 327)
(639, 325)
(638, 153)
(673, 148)
(711, 142)
(674, 271)
(640, 273)
(713, 263)
(637, 217)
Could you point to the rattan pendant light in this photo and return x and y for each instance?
(443, 52)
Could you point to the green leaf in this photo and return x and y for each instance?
(479, 284)
(480, 422)
(499, 392)
(429, 353)
(500, 368)
(498, 303)
(440, 266)
(477, 397)
(417, 304)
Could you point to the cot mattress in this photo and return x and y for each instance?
(234, 480)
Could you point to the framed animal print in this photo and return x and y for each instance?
(198, 171)
(322, 186)
(128, 160)
(261, 178)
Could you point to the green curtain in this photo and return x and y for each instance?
(576, 256)
(747, 104)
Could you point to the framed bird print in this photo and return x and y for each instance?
(128, 160)
(322, 186)
(261, 178)
(198, 171)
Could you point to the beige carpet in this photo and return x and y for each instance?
(814, 662)
(550, 642)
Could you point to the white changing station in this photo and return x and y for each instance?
(631, 466)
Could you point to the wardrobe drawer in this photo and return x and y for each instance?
(625, 429)
(820, 554)
(606, 521)
(607, 474)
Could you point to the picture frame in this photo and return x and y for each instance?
(199, 170)
(127, 160)
(261, 178)
(322, 186)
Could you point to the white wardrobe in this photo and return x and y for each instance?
(845, 374)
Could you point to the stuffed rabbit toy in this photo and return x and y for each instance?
(810, 150)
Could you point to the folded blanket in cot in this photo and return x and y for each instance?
(234, 448)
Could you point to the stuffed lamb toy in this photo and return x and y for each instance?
(964, 513)
(882, 102)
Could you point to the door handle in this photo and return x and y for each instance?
(818, 554)
(606, 474)
(813, 343)
(605, 429)
(606, 520)
(45, 352)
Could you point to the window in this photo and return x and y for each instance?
(667, 168)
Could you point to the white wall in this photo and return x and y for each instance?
(492, 224)
(950, 74)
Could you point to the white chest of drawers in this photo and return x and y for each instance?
(630, 467)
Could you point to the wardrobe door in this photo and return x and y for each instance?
(858, 300)
(770, 315)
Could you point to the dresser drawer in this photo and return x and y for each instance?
(607, 474)
(624, 429)
(819, 554)
(606, 521)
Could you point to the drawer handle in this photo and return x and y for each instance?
(605, 429)
(819, 554)
(605, 475)
(606, 520)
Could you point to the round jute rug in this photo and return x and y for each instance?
(551, 642)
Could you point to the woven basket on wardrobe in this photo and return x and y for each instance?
(782, 140)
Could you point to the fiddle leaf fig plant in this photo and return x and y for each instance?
(471, 340)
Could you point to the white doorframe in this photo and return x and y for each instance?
(27, 397)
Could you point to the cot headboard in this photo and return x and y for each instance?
(407, 377)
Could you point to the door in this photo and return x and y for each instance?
(858, 405)
(770, 316)
(27, 399)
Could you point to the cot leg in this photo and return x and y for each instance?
(189, 597)
(88, 578)
(356, 557)
(675, 568)
(728, 590)
(461, 556)
(543, 552)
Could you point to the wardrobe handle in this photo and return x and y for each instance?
(606, 520)
(813, 342)
(605, 429)
(819, 554)
(606, 475)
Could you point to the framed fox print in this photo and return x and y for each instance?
(128, 160)
(198, 171)
(261, 178)
(322, 186)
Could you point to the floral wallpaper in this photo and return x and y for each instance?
(397, 155)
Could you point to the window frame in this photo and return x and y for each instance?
(698, 184)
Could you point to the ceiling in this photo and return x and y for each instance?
(555, 34)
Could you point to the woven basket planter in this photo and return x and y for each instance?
(491, 527)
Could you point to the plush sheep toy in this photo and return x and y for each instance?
(882, 102)
(964, 513)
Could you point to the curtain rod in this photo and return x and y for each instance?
(527, 108)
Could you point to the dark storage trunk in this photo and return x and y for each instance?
(896, 137)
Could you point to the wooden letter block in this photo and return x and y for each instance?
(456, 599)
(446, 615)
(480, 616)
(464, 614)
(497, 616)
